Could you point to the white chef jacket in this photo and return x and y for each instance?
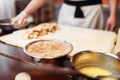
(93, 16)
(7, 9)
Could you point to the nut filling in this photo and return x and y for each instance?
(41, 30)
(48, 49)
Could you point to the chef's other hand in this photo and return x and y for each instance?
(19, 19)
(111, 24)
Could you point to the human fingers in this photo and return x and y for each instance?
(19, 19)
(111, 28)
(14, 21)
(107, 26)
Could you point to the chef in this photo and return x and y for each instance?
(79, 13)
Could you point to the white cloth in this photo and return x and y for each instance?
(7, 9)
(93, 16)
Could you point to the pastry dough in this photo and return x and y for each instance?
(117, 46)
(80, 38)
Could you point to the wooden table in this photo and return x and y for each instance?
(10, 68)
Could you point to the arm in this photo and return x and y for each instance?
(30, 8)
(33, 6)
(112, 20)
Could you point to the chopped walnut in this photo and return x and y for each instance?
(41, 30)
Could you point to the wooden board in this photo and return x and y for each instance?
(80, 38)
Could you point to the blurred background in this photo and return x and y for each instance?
(49, 12)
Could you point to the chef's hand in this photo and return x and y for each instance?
(111, 23)
(19, 19)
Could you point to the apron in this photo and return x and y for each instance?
(90, 17)
(7, 9)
